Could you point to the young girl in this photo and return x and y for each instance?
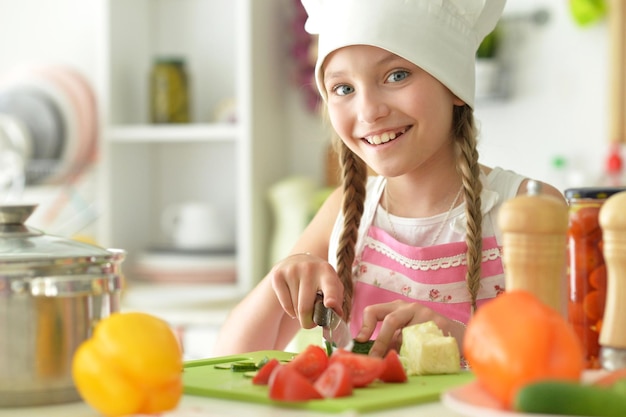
(420, 240)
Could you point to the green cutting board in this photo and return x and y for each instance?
(202, 378)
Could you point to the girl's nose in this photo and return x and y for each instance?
(371, 106)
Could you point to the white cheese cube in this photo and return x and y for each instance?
(426, 351)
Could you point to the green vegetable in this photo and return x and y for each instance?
(262, 362)
(362, 347)
(243, 366)
(329, 347)
(247, 367)
(619, 387)
(357, 347)
(570, 398)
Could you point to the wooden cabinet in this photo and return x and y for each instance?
(234, 54)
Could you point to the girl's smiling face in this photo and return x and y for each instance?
(391, 113)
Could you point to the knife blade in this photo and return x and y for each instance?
(334, 329)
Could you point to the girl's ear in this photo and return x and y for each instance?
(458, 102)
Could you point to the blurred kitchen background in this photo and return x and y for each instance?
(204, 206)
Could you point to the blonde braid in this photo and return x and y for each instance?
(469, 169)
(354, 176)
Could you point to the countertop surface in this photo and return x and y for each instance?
(197, 406)
(193, 406)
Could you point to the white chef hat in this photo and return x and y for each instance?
(439, 36)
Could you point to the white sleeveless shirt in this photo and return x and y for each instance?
(406, 267)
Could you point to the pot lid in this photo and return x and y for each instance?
(19, 242)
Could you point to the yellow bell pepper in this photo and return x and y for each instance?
(131, 365)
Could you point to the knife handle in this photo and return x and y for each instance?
(321, 314)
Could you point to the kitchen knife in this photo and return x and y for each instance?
(335, 330)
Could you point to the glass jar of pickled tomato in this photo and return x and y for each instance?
(586, 267)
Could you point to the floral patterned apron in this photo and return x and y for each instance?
(388, 270)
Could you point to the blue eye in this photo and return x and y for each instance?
(343, 90)
(398, 76)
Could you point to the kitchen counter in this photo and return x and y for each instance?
(185, 318)
(193, 406)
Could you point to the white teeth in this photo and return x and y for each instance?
(384, 138)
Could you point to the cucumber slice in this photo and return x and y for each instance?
(243, 366)
(362, 347)
(262, 362)
(328, 347)
(570, 398)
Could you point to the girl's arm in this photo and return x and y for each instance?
(271, 314)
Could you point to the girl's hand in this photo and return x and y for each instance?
(394, 317)
(297, 279)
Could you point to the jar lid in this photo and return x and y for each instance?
(594, 193)
(169, 60)
(19, 242)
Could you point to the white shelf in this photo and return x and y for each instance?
(177, 297)
(167, 133)
(234, 54)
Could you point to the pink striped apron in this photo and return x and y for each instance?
(388, 270)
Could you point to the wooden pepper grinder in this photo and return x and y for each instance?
(534, 230)
(613, 333)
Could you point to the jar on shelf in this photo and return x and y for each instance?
(587, 275)
(169, 91)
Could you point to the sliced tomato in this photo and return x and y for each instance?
(311, 362)
(335, 381)
(262, 377)
(364, 369)
(287, 384)
(393, 370)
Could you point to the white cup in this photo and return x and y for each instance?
(195, 225)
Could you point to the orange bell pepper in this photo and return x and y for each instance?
(131, 365)
(516, 339)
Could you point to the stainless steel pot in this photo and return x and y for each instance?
(52, 292)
